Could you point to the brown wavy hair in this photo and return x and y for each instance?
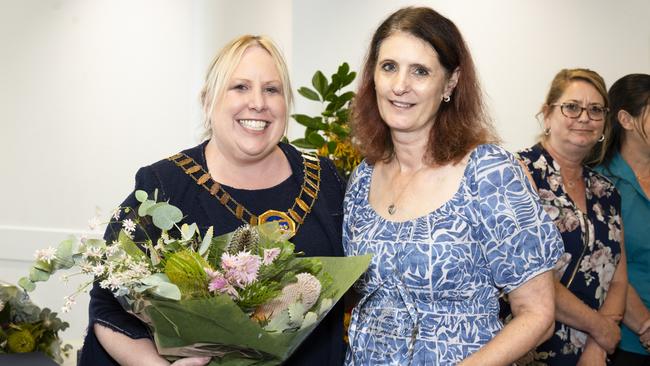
(460, 124)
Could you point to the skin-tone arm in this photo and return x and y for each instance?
(637, 315)
(121, 348)
(533, 314)
(602, 326)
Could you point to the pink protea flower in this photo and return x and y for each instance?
(241, 269)
(270, 255)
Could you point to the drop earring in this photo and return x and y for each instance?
(547, 131)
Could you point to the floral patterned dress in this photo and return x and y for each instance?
(592, 242)
(430, 295)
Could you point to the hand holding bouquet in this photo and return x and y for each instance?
(244, 297)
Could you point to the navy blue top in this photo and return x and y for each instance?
(319, 235)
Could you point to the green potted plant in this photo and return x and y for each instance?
(329, 133)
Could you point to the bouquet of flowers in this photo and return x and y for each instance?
(24, 327)
(244, 297)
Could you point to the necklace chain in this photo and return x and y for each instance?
(392, 207)
(302, 204)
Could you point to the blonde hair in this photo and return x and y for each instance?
(559, 84)
(223, 65)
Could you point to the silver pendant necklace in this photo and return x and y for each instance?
(392, 208)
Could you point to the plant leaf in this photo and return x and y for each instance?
(279, 322)
(309, 94)
(207, 240)
(316, 139)
(319, 81)
(303, 144)
(348, 80)
(26, 284)
(145, 206)
(310, 318)
(307, 121)
(37, 275)
(129, 246)
(331, 146)
(162, 286)
(164, 215)
(141, 195)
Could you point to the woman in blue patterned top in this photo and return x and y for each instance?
(592, 281)
(627, 164)
(451, 219)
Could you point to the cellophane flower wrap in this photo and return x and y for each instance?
(244, 298)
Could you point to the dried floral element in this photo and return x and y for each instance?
(244, 239)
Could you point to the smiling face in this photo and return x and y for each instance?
(250, 118)
(579, 134)
(410, 83)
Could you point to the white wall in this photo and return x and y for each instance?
(90, 90)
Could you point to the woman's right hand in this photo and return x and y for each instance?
(192, 361)
(607, 332)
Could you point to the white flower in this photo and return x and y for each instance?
(69, 301)
(129, 226)
(98, 270)
(46, 255)
(92, 252)
(116, 213)
(94, 223)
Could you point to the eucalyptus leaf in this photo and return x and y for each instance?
(36, 275)
(26, 284)
(188, 231)
(309, 94)
(144, 207)
(162, 287)
(153, 253)
(141, 195)
(64, 253)
(164, 215)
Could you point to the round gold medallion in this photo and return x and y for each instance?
(285, 222)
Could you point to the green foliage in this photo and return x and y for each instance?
(186, 270)
(24, 327)
(329, 133)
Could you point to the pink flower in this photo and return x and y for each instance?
(219, 283)
(241, 269)
(270, 255)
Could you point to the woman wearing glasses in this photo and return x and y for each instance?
(585, 206)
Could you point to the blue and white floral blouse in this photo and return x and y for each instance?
(592, 242)
(430, 296)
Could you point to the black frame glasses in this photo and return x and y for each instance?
(595, 112)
